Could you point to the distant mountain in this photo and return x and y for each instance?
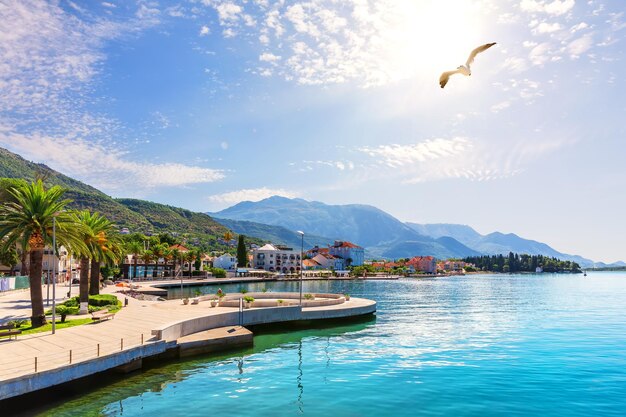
(462, 233)
(136, 215)
(365, 225)
(381, 234)
(274, 234)
(495, 243)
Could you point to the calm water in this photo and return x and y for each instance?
(482, 345)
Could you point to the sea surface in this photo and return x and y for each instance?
(480, 345)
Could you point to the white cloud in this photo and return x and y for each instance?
(103, 166)
(579, 46)
(228, 12)
(544, 27)
(555, 7)
(204, 30)
(580, 26)
(398, 155)
(268, 57)
(251, 194)
(496, 108)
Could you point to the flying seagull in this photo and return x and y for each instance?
(464, 69)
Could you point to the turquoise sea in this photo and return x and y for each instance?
(482, 345)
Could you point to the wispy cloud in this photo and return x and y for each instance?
(251, 194)
(399, 155)
(50, 60)
(104, 166)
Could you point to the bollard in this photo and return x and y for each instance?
(126, 302)
(98, 349)
(70, 357)
(122, 344)
(142, 338)
(35, 363)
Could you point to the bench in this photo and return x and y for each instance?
(9, 330)
(101, 315)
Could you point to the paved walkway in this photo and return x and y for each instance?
(131, 327)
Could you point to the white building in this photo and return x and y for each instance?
(354, 255)
(276, 258)
(226, 261)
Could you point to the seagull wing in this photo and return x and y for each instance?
(443, 80)
(476, 51)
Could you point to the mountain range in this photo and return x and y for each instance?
(381, 234)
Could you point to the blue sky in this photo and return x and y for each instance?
(202, 104)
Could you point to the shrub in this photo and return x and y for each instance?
(243, 290)
(309, 297)
(63, 311)
(248, 299)
(72, 302)
(17, 323)
(218, 272)
(102, 300)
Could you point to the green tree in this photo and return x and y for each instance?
(242, 252)
(134, 248)
(27, 220)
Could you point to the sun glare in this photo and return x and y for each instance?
(427, 37)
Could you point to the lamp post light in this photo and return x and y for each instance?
(54, 271)
(301, 264)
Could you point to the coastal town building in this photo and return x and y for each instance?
(276, 258)
(427, 264)
(451, 266)
(226, 261)
(354, 255)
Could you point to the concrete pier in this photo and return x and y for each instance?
(144, 329)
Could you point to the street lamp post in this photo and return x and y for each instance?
(54, 272)
(301, 264)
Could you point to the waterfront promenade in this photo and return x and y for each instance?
(130, 333)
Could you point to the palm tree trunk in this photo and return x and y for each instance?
(94, 280)
(84, 285)
(38, 317)
(24, 270)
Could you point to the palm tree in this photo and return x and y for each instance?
(105, 246)
(27, 220)
(95, 230)
(135, 248)
(190, 257)
(159, 251)
(175, 255)
(147, 256)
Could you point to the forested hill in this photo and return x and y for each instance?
(137, 215)
(521, 263)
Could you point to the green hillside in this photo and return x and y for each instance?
(136, 215)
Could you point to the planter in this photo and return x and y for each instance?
(347, 297)
(247, 305)
(185, 301)
(213, 303)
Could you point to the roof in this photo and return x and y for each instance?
(343, 244)
(267, 246)
(180, 248)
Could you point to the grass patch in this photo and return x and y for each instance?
(28, 329)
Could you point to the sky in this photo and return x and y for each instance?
(202, 104)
